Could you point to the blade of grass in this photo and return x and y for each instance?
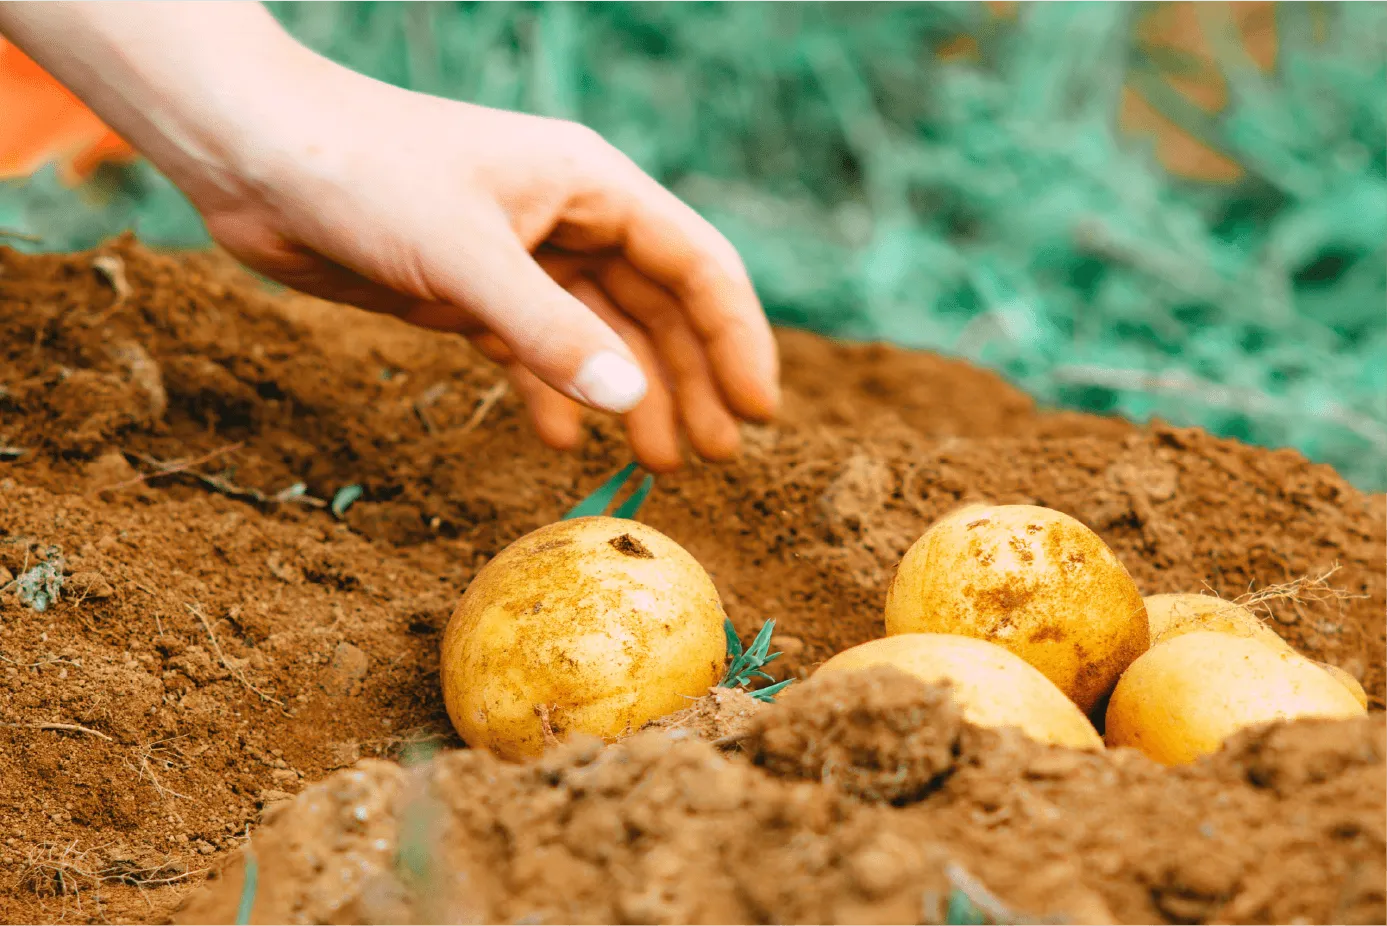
(343, 499)
(734, 643)
(248, 888)
(598, 502)
(768, 693)
(633, 504)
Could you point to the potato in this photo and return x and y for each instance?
(1033, 580)
(1354, 686)
(601, 623)
(1182, 698)
(992, 687)
(1174, 614)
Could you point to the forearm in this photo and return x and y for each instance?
(184, 83)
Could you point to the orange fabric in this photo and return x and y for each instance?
(1178, 29)
(1179, 152)
(42, 122)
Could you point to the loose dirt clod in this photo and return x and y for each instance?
(804, 529)
(879, 734)
(87, 584)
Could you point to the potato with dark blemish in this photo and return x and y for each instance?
(592, 626)
(1033, 580)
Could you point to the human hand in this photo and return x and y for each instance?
(560, 260)
(544, 245)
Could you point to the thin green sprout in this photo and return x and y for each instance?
(249, 887)
(596, 503)
(747, 663)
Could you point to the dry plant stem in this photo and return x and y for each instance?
(50, 661)
(170, 880)
(64, 727)
(197, 612)
(485, 405)
(66, 872)
(407, 738)
(147, 771)
(542, 712)
(218, 484)
(425, 401)
(167, 469)
(112, 270)
(1306, 588)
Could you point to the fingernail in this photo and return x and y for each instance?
(610, 382)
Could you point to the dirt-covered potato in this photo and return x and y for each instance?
(594, 625)
(1171, 615)
(993, 687)
(1033, 580)
(1181, 699)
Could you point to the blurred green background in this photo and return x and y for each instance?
(982, 203)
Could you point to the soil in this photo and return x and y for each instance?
(227, 656)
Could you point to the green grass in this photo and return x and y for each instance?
(986, 211)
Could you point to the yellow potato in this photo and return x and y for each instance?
(1354, 686)
(1174, 614)
(1030, 579)
(992, 687)
(600, 623)
(1181, 699)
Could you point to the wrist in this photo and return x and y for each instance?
(196, 88)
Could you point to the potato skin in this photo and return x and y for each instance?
(1035, 581)
(1354, 686)
(1174, 614)
(1181, 699)
(992, 687)
(606, 623)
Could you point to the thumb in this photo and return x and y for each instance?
(550, 332)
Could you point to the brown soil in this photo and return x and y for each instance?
(217, 649)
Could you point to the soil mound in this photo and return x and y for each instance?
(215, 639)
(663, 829)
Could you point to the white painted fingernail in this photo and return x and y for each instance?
(610, 382)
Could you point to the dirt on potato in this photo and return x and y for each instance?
(227, 658)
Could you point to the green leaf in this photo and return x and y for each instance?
(768, 693)
(734, 645)
(962, 911)
(598, 502)
(746, 663)
(249, 887)
(344, 498)
(633, 504)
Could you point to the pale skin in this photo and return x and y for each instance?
(557, 257)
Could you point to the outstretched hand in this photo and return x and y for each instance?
(584, 278)
(551, 251)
